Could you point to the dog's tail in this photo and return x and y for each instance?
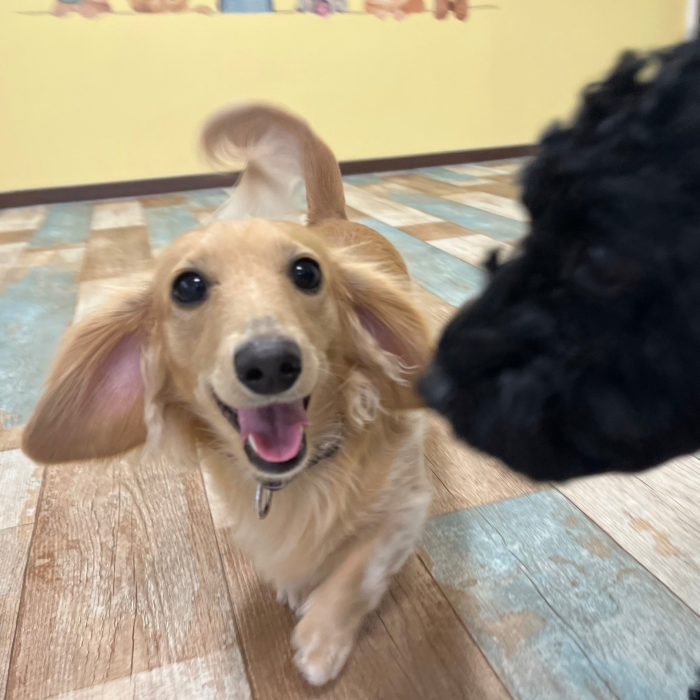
(282, 155)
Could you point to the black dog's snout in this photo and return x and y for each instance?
(268, 365)
(436, 388)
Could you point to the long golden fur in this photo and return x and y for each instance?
(146, 369)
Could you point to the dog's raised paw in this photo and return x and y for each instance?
(321, 649)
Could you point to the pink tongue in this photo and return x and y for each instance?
(277, 430)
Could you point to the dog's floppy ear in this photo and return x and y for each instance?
(93, 403)
(388, 332)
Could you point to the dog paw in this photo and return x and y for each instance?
(294, 597)
(322, 649)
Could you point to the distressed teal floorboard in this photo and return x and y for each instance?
(451, 279)
(559, 609)
(64, 224)
(369, 179)
(444, 175)
(165, 224)
(34, 314)
(498, 227)
(205, 199)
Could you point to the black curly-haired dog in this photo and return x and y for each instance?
(583, 353)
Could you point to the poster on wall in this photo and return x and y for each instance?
(397, 9)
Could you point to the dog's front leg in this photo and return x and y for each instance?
(333, 613)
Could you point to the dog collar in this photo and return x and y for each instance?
(265, 489)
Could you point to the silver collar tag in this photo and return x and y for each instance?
(263, 501)
(264, 491)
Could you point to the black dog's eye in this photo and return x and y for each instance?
(306, 274)
(189, 288)
(602, 271)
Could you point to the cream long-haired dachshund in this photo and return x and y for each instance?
(286, 353)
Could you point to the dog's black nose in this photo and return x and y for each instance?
(268, 365)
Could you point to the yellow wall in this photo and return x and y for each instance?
(123, 97)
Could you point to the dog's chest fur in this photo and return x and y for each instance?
(315, 517)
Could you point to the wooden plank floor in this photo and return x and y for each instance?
(123, 579)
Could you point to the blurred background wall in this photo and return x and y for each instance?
(122, 97)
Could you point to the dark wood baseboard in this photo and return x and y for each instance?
(140, 188)
(431, 160)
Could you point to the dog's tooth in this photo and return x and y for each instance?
(251, 440)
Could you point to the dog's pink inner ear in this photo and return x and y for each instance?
(118, 382)
(385, 337)
(93, 405)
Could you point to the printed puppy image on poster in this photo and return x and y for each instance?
(155, 6)
(86, 8)
(323, 7)
(94, 8)
(398, 9)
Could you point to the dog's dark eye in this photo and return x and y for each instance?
(602, 271)
(306, 274)
(189, 288)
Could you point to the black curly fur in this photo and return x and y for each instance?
(583, 354)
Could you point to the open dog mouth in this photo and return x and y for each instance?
(273, 436)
